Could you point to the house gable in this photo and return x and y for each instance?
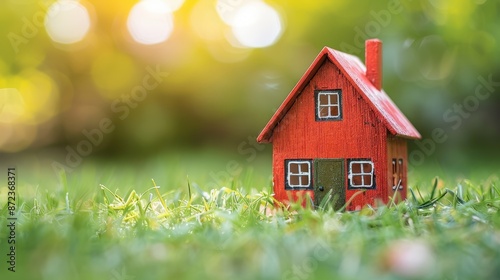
(354, 70)
(358, 134)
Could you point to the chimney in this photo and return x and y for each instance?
(373, 61)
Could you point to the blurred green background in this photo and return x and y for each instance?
(137, 77)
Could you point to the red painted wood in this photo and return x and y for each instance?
(359, 135)
(354, 70)
(371, 127)
(373, 61)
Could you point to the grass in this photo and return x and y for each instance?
(109, 221)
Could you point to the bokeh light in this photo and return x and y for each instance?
(40, 96)
(151, 21)
(227, 9)
(64, 62)
(24, 107)
(174, 5)
(205, 22)
(67, 21)
(15, 108)
(32, 99)
(256, 25)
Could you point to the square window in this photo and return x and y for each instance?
(361, 174)
(328, 105)
(298, 174)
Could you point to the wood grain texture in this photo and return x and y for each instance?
(370, 127)
(373, 57)
(354, 71)
(359, 135)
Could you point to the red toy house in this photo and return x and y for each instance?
(338, 130)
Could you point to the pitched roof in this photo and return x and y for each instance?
(354, 70)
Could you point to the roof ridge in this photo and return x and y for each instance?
(354, 71)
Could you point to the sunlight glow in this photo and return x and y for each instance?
(228, 8)
(256, 25)
(173, 5)
(32, 101)
(205, 22)
(67, 21)
(15, 109)
(151, 21)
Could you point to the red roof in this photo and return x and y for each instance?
(354, 70)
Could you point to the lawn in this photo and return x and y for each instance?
(184, 217)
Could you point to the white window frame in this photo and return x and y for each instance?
(362, 174)
(319, 106)
(301, 173)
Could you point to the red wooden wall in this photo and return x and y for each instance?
(358, 135)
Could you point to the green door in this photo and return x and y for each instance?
(329, 176)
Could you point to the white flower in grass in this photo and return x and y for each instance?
(410, 258)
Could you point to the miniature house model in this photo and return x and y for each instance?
(338, 133)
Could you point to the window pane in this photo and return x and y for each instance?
(356, 180)
(304, 168)
(367, 180)
(304, 180)
(294, 180)
(356, 168)
(323, 112)
(334, 111)
(361, 173)
(367, 168)
(328, 105)
(323, 99)
(334, 99)
(298, 174)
